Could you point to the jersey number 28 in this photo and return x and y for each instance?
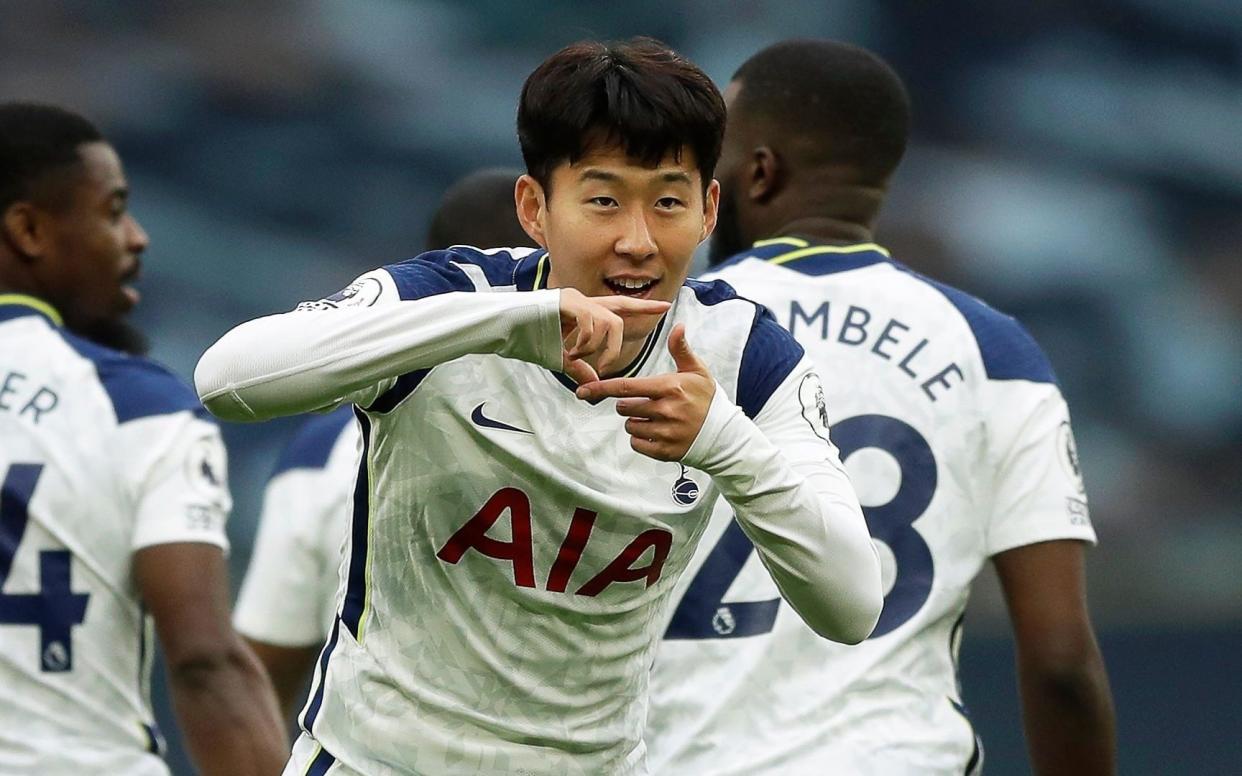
(702, 614)
(55, 609)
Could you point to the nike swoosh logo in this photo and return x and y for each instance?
(480, 419)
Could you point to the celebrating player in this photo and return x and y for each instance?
(957, 440)
(516, 532)
(114, 497)
(288, 598)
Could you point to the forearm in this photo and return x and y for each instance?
(228, 714)
(805, 523)
(1068, 716)
(307, 359)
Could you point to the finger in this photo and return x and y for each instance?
(578, 370)
(626, 306)
(586, 327)
(651, 449)
(645, 429)
(646, 387)
(639, 408)
(614, 338)
(683, 356)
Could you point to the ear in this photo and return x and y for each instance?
(25, 230)
(711, 209)
(532, 206)
(766, 175)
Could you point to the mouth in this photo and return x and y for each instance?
(637, 288)
(130, 294)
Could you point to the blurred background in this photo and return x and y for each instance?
(1077, 164)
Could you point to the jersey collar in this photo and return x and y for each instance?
(808, 256)
(18, 305)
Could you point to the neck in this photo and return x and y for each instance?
(820, 206)
(834, 231)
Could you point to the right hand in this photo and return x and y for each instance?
(593, 330)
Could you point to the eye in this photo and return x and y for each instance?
(603, 201)
(669, 203)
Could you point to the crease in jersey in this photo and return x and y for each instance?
(25, 300)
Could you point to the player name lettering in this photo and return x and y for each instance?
(519, 551)
(856, 326)
(23, 398)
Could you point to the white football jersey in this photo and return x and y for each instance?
(949, 420)
(103, 454)
(288, 597)
(510, 556)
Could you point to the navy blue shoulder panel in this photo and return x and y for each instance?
(1008, 349)
(434, 272)
(770, 354)
(137, 387)
(312, 443)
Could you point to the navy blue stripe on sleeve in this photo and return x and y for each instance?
(770, 355)
(137, 387)
(437, 272)
(1008, 350)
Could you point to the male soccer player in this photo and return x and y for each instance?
(288, 598)
(515, 535)
(113, 497)
(958, 442)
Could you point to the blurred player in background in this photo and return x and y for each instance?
(114, 495)
(288, 598)
(515, 536)
(956, 437)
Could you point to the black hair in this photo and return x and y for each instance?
(637, 93)
(478, 210)
(845, 99)
(37, 141)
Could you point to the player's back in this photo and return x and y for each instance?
(957, 440)
(84, 428)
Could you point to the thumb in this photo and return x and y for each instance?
(683, 356)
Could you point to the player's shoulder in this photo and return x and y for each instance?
(312, 444)
(137, 387)
(768, 352)
(1007, 350)
(466, 268)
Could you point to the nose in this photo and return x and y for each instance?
(636, 240)
(136, 238)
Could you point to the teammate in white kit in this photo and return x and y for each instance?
(515, 536)
(113, 499)
(288, 598)
(957, 439)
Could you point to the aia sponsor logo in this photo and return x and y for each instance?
(519, 551)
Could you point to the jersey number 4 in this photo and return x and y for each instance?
(55, 609)
(702, 614)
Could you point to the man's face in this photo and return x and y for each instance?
(93, 251)
(729, 238)
(613, 226)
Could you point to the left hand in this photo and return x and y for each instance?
(666, 411)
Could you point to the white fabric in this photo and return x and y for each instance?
(784, 701)
(288, 597)
(447, 657)
(105, 490)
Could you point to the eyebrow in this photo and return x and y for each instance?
(612, 177)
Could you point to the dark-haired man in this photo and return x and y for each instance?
(956, 436)
(114, 498)
(516, 530)
(288, 598)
